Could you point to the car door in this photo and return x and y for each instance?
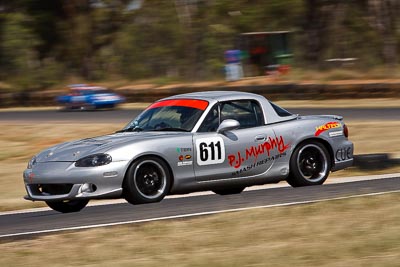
(244, 152)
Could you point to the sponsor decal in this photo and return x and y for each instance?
(326, 127)
(335, 133)
(236, 160)
(183, 149)
(210, 151)
(183, 160)
(258, 163)
(343, 154)
(185, 163)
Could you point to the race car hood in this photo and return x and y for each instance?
(72, 151)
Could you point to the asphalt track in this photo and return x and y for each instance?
(126, 115)
(28, 224)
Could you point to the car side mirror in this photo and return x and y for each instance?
(228, 125)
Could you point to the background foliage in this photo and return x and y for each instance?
(45, 41)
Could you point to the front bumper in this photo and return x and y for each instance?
(48, 181)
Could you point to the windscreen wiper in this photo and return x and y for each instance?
(130, 129)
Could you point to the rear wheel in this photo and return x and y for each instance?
(148, 180)
(310, 164)
(67, 206)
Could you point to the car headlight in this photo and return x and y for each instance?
(94, 160)
(32, 162)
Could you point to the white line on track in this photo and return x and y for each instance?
(191, 215)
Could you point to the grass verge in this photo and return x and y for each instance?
(355, 232)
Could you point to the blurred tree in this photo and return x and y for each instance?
(318, 15)
(48, 40)
(44, 16)
(150, 43)
(384, 17)
(347, 29)
(19, 57)
(88, 32)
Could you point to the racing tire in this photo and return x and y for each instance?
(229, 191)
(68, 206)
(147, 180)
(310, 164)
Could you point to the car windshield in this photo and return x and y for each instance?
(89, 92)
(169, 115)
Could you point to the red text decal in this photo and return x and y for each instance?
(236, 160)
(326, 126)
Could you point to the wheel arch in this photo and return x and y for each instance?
(322, 142)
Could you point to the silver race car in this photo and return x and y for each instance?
(219, 141)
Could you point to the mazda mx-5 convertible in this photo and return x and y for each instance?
(218, 141)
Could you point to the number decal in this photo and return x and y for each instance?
(210, 151)
(203, 151)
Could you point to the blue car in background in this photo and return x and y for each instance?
(87, 97)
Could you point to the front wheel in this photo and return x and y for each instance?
(148, 180)
(310, 164)
(67, 206)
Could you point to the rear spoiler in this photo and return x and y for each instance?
(335, 117)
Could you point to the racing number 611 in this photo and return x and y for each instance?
(210, 151)
(204, 148)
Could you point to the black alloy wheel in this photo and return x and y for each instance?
(310, 164)
(147, 181)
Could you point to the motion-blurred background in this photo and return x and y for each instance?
(50, 43)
